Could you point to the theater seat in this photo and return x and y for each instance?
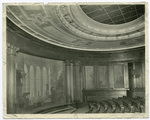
(118, 105)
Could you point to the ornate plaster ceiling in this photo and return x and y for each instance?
(68, 26)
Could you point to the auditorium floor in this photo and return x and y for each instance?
(33, 110)
(83, 110)
(67, 111)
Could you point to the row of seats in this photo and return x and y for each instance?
(117, 105)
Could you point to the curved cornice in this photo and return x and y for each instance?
(95, 26)
(33, 46)
(73, 18)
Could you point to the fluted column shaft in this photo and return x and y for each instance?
(83, 77)
(74, 82)
(77, 79)
(28, 79)
(134, 79)
(47, 84)
(143, 74)
(41, 81)
(35, 82)
(49, 81)
(71, 82)
(20, 66)
(11, 78)
(68, 76)
(126, 77)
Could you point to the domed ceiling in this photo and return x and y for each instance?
(113, 14)
(70, 26)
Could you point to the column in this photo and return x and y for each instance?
(35, 82)
(41, 83)
(11, 78)
(20, 66)
(38, 75)
(134, 79)
(83, 82)
(23, 74)
(47, 84)
(127, 73)
(83, 77)
(141, 76)
(44, 81)
(28, 79)
(137, 69)
(74, 82)
(143, 73)
(131, 80)
(77, 80)
(68, 64)
(65, 81)
(126, 77)
(32, 85)
(80, 82)
(71, 83)
(49, 81)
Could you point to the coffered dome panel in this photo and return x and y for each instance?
(113, 14)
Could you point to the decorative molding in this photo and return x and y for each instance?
(68, 63)
(81, 17)
(69, 22)
(76, 63)
(83, 38)
(11, 49)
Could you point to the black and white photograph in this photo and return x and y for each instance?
(83, 59)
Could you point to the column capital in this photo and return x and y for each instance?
(11, 49)
(68, 62)
(76, 63)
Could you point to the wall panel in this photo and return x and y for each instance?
(118, 76)
(103, 77)
(112, 76)
(89, 77)
(44, 79)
